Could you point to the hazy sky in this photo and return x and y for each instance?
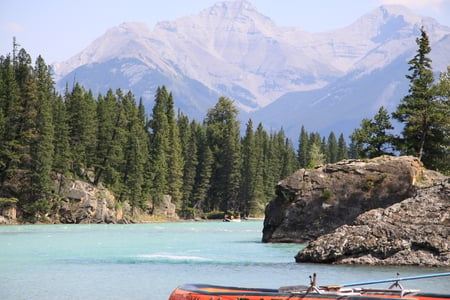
(59, 29)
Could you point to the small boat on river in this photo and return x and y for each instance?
(311, 292)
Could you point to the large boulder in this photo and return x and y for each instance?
(311, 203)
(415, 231)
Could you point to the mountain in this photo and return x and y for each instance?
(280, 76)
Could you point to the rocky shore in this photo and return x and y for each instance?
(81, 202)
(386, 210)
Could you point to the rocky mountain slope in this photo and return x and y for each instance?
(277, 75)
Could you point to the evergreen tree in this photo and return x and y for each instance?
(418, 110)
(41, 147)
(111, 138)
(332, 146)
(159, 143)
(175, 161)
(355, 149)
(288, 158)
(273, 167)
(372, 137)
(248, 190)
(190, 169)
(342, 148)
(438, 149)
(315, 151)
(10, 106)
(82, 120)
(135, 154)
(257, 205)
(223, 136)
(203, 176)
(61, 153)
(23, 113)
(189, 143)
(303, 147)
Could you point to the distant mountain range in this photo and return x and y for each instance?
(280, 76)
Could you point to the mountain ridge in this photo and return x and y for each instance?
(231, 49)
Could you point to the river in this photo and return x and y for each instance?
(147, 261)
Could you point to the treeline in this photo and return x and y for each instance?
(207, 167)
(111, 140)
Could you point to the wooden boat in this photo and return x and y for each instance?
(347, 291)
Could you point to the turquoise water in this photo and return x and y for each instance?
(147, 261)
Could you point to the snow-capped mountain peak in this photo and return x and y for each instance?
(231, 49)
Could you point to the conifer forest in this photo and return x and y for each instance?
(207, 166)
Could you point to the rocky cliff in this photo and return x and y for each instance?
(415, 231)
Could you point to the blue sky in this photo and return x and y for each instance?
(59, 29)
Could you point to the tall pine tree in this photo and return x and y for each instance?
(418, 110)
(224, 138)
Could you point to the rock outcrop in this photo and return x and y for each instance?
(80, 202)
(83, 202)
(415, 231)
(8, 213)
(311, 203)
(386, 210)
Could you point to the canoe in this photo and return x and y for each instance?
(311, 292)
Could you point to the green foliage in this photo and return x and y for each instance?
(327, 194)
(424, 111)
(5, 202)
(222, 128)
(372, 138)
(342, 148)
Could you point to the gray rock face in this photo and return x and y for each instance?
(311, 203)
(412, 232)
(86, 203)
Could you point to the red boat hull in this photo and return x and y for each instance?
(213, 292)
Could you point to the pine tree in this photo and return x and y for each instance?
(315, 151)
(438, 148)
(175, 161)
(257, 205)
(223, 136)
(135, 154)
(342, 148)
(332, 146)
(418, 110)
(82, 120)
(10, 106)
(111, 138)
(303, 146)
(372, 138)
(248, 190)
(189, 144)
(159, 143)
(61, 153)
(289, 162)
(203, 175)
(41, 147)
